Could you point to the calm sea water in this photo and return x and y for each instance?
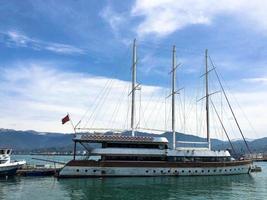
(218, 187)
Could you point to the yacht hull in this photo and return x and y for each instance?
(77, 168)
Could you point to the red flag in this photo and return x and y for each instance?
(65, 119)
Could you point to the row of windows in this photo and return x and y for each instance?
(176, 171)
(131, 145)
(133, 158)
(170, 159)
(198, 159)
(196, 171)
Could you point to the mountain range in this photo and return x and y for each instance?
(33, 141)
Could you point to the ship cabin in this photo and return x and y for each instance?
(5, 155)
(143, 148)
(122, 148)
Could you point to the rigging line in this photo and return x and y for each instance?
(184, 112)
(221, 104)
(158, 114)
(140, 104)
(150, 98)
(201, 113)
(251, 126)
(180, 108)
(102, 103)
(114, 72)
(154, 106)
(188, 114)
(98, 102)
(157, 108)
(122, 117)
(222, 126)
(145, 122)
(98, 96)
(169, 115)
(165, 114)
(142, 113)
(243, 112)
(230, 107)
(128, 106)
(117, 107)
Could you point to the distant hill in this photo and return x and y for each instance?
(29, 140)
(26, 141)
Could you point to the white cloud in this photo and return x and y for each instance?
(34, 95)
(163, 17)
(112, 18)
(262, 80)
(17, 39)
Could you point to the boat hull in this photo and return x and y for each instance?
(10, 169)
(120, 169)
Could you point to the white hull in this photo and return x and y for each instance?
(80, 171)
(10, 168)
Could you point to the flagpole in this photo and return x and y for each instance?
(74, 128)
(74, 148)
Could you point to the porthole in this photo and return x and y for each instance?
(195, 171)
(225, 170)
(94, 170)
(77, 170)
(161, 171)
(220, 170)
(169, 171)
(175, 171)
(182, 171)
(235, 169)
(86, 170)
(230, 169)
(189, 171)
(146, 171)
(214, 170)
(154, 171)
(208, 170)
(202, 171)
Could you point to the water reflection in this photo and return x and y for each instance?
(209, 187)
(154, 187)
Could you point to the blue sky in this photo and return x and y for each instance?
(44, 43)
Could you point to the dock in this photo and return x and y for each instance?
(37, 172)
(41, 169)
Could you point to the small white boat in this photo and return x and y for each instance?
(8, 167)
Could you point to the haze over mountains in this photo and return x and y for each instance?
(32, 141)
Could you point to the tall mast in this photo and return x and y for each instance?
(207, 99)
(133, 88)
(173, 94)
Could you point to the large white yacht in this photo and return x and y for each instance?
(133, 155)
(8, 167)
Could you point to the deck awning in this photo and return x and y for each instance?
(95, 138)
